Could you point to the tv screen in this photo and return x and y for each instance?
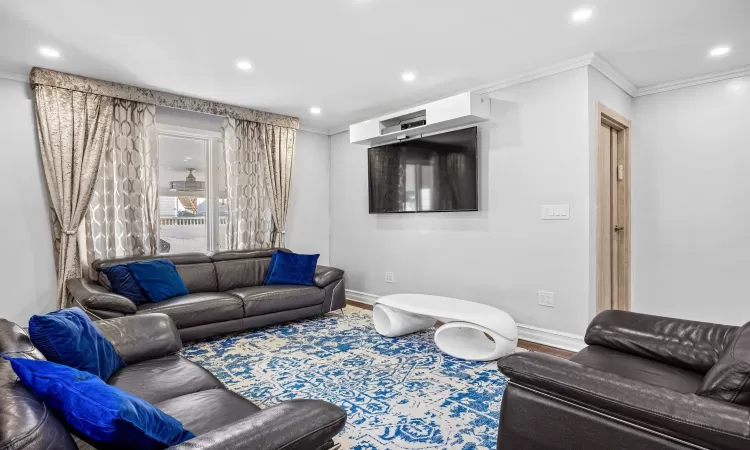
(434, 173)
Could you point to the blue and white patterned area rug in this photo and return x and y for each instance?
(399, 393)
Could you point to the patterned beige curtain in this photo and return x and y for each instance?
(248, 200)
(279, 143)
(74, 128)
(123, 216)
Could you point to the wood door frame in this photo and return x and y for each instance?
(609, 117)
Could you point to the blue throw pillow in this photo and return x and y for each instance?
(124, 284)
(69, 337)
(291, 268)
(159, 279)
(103, 415)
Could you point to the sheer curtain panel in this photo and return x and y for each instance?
(123, 216)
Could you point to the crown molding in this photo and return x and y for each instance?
(564, 66)
(14, 77)
(337, 130)
(693, 81)
(317, 130)
(606, 69)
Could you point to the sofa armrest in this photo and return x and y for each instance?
(92, 296)
(141, 337)
(291, 425)
(690, 417)
(325, 275)
(687, 344)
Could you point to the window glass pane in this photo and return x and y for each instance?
(182, 195)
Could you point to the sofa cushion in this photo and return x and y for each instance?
(163, 378)
(291, 268)
(729, 378)
(638, 368)
(103, 415)
(259, 300)
(239, 273)
(206, 411)
(68, 337)
(197, 309)
(158, 279)
(122, 283)
(198, 277)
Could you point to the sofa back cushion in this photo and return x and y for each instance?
(729, 378)
(198, 277)
(690, 345)
(241, 273)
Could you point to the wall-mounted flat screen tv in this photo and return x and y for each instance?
(428, 174)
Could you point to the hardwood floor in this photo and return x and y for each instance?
(532, 346)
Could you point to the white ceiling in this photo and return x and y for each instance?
(347, 56)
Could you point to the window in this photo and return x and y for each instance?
(192, 200)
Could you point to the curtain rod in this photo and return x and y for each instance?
(48, 77)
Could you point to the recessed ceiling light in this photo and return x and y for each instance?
(188, 158)
(315, 110)
(244, 65)
(721, 50)
(49, 52)
(581, 15)
(408, 76)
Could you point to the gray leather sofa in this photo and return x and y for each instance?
(148, 343)
(226, 293)
(640, 384)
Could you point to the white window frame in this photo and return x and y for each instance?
(213, 158)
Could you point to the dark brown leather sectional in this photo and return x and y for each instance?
(642, 383)
(149, 343)
(226, 293)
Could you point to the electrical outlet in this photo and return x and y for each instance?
(546, 298)
(389, 277)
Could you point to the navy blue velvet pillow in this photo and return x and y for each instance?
(124, 284)
(291, 268)
(158, 279)
(69, 337)
(103, 415)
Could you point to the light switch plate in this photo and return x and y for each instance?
(389, 277)
(555, 212)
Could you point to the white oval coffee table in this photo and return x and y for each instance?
(465, 329)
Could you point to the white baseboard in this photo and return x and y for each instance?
(362, 297)
(551, 338)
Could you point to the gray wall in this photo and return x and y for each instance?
(534, 151)
(27, 275)
(691, 245)
(308, 226)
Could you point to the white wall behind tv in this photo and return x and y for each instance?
(690, 207)
(534, 151)
(27, 275)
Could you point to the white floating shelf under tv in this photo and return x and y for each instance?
(442, 115)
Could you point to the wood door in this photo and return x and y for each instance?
(613, 211)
